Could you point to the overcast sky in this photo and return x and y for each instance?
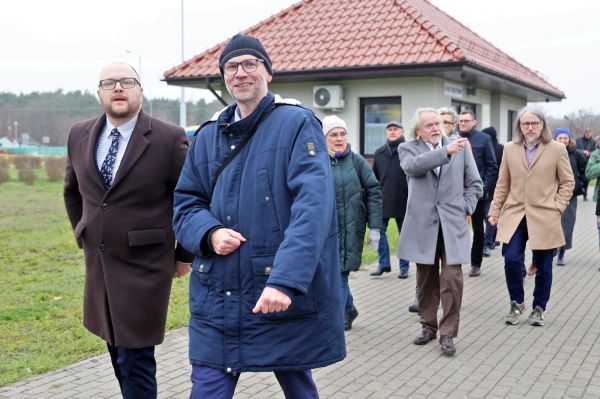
(47, 45)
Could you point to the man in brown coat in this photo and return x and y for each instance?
(534, 188)
(121, 172)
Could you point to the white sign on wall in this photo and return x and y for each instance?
(453, 90)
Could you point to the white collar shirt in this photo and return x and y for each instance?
(430, 146)
(105, 140)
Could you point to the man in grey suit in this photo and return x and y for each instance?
(443, 188)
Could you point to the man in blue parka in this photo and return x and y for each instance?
(265, 283)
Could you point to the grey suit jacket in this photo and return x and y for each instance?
(433, 201)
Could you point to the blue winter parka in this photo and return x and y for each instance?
(278, 193)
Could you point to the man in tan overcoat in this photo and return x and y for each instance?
(122, 169)
(534, 187)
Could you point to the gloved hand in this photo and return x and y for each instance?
(374, 238)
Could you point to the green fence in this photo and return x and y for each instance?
(38, 150)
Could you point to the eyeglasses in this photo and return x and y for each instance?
(431, 126)
(250, 65)
(448, 123)
(126, 83)
(527, 125)
(335, 135)
(465, 121)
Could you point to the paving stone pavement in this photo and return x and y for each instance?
(493, 360)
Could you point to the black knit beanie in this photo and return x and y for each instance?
(243, 44)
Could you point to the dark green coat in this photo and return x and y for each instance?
(356, 203)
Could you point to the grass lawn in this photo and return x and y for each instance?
(41, 275)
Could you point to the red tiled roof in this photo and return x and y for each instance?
(367, 33)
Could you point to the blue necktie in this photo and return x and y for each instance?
(109, 162)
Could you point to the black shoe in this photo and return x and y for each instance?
(560, 261)
(380, 270)
(349, 318)
(475, 271)
(414, 308)
(403, 274)
(448, 347)
(424, 337)
(486, 251)
(496, 244)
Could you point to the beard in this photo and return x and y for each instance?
(531, 139)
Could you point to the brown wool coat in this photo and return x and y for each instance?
(540, 192)
(126, 231)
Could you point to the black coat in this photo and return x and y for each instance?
(578, 163)
(483, 152)
(394, 187)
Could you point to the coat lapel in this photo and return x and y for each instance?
(136, 147)
(540, 149)
(88, 146)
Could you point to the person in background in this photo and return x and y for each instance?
(483, 152)
(578, 164)
(490, 231)
(450, 121)
(592, 171)
(534, 187)
(358, 200)
(121, 172)
(256, 204)
(394, 190)
(585, 143)
(443, 188)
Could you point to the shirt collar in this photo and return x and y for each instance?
(126, 129)
(533, 147)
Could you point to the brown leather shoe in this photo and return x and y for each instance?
(447, 345)
(424, 337)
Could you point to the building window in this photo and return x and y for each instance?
(461, 106)
(375, 113)
(512, 115)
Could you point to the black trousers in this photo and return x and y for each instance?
(478, 224)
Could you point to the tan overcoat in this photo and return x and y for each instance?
(540, 192)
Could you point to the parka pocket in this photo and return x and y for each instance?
(303, 306)
(202, 290)
(266, 204)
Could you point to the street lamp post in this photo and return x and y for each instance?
(182, 107)
(15, 130)
(139, 71)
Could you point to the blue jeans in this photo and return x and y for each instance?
(599, 233)
(347, 299)
(514, 264)
(384, 249)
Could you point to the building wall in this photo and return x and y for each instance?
(415, 92)
(501, 104)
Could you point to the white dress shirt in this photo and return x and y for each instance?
(105, 140)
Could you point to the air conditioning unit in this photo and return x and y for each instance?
(328, 97)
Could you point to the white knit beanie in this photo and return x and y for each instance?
(331, 122)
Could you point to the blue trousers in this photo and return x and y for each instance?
(135, 370)
(514, 265)
(209, 383)
(383, 250)
(347, 298)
